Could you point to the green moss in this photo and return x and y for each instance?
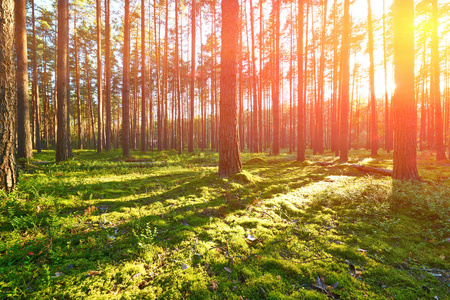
(165, 226)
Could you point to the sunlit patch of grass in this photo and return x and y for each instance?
(164, 226)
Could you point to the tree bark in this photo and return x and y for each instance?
(8, 93)
(24, 143)
(404, 106)
(143, 91)
(77, 81)
(62, 149)
(35, 90)
(108, 76)
(229, 152)
(254, 143)
(126, 84)
(99, 80)
(373, 102)
(276, 77)
(345, 81)
(301, 142)
(192, 85)
(435, 84)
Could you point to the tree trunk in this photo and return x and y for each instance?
(24, 144)
(435, 84)
(345, 81)
(301, 146)
(373, 103)
(405, 114)
(99, 80)
(334, 100)
(192, 86)
(126, 84)
(8, 170)
(35, 90)
(387, 116)
(77, 81)
(320, 111)
(276, 77)
(229, 152)
(165, 80)
(108, 76)
(254, 144)
(62, 149)
(143, 106)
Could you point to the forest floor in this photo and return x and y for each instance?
(163, 226)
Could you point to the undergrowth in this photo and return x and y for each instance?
(164, 226)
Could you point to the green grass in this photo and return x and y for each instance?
(163, 226)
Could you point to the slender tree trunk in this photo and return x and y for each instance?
(46, 102)
(373, 103)
(320, 111)
(213, 81)
(108, 76)
(25, 147)
(126, 84)
(301, 146)
(158, 80)
(345, 73)
(62, 149)
(387, 116)
(192, 86)
(276, 99)
(405, 114)
(229, 154)
(99, 80)
(254, 144)
(77, 81)
(143, 76)
(165, 80)
(35, 90)
(435, 84)
(177, 83)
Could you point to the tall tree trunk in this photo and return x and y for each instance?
(192, 86)
(8, 169)
(435, 84)
(143, 100)
(77, 81)
(405, 114)
(45, 98)
(387, 116)
(261, 57)
(254, 143)
(345, 81)
(158, 80)
(99, 80)
(177, 84)
(213, 81)
(334, 100)
(320, 111)
(62, 149)
(276, 99)
(108, 76)
(126, 84)
(229, 153)
(165, 80)
(24, 144)
(301, 146)
(241, 89)
(35, 90)
(373, 102)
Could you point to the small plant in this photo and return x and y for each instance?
(146, 237)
